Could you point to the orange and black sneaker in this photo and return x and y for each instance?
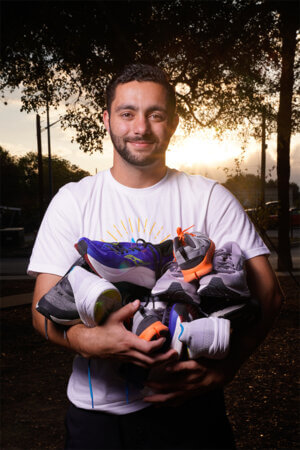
(148, 326)
(193, 253)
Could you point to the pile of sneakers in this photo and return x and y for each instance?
(191, 294)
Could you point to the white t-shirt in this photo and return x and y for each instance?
(100, 208)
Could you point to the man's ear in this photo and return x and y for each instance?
(106, 120)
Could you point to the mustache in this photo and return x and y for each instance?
(140, 139)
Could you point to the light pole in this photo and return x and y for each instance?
(49, 154)
(263, 159)
(50, 175)
(40, 166)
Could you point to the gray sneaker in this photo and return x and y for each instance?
(59, 304)
(171, 286)
(80, 296)
(228, 279)
(193, 253)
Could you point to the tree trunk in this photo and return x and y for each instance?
(288, 16)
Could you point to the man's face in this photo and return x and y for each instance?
(138, 123)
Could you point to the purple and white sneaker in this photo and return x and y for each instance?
(228, 279)
(140, 262)
(206, 337)
(171, 286)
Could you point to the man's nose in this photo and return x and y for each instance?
(141, 125)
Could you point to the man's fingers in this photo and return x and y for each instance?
(182, 366)
(145, 346)
(125, 313)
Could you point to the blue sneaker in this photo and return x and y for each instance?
(140, 262)
(180, 312)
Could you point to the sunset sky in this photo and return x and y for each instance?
(199, 152)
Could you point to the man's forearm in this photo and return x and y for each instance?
(110, 340)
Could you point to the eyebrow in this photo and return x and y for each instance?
(134, 108)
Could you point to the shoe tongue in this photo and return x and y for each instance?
(189, 241)
(165, 248)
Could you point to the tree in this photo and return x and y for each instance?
(225, 58)
(67, 51)
(19, 181)
(289, 23)
(10, 187)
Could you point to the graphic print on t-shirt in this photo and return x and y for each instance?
(127, 229)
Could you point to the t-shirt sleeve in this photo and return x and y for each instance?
(54, 250)
(227, 221)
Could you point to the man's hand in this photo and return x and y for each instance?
(109, 340)
(185, 379)
(182, 380)
(113, 340)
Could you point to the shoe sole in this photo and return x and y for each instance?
(241, 315)
(109, 301)
(142, 276)
(175, 328)
(217, 288)
(201, 269)
(175, 292)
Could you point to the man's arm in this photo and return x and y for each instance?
(185, 379)
(110, 340)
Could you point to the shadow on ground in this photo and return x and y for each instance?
(262, 400)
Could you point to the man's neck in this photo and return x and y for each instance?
(136, 176)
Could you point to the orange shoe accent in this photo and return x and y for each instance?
(181, 234)
(203, 268)
(155, 331)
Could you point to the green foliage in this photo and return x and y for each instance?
(9, 179)
(223, 57)
(245, 187)
(20, 183)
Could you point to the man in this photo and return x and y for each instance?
(182, 405)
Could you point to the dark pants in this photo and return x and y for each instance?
(197, 424)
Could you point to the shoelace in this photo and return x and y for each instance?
(119, 248)
(223, 261)
(181, 234)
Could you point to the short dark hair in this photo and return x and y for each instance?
(141, 72)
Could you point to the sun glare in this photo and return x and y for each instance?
(201, 149)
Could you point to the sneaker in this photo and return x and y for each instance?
(130, 292)
(59, 304)
(140, 263)
(241, 315)
(193, 253)
(171, 286)
(80, 296)
(228, 278)
(207, 337)
(180, 312)
(147, 325)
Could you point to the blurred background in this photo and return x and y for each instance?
(235, 66)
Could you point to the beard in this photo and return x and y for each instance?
(138, 159)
